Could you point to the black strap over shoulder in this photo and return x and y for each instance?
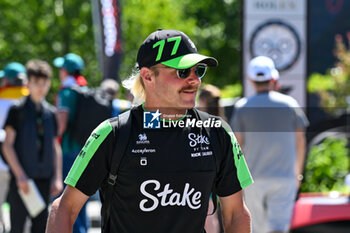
(122, 133)
(122, 137)
(212, 134)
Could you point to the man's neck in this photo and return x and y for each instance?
(68, 82)
(262, 89)
(36, 101)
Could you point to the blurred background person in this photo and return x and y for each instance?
(275, 81)
(70, 68)
(270, 127)
(13, 86)
(31, 148)
(209, 101)
(13, 81)
(111, 88)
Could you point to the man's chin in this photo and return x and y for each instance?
(189, 104)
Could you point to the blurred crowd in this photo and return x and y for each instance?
(38, 143)
(36, 136)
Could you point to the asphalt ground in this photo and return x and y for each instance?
(93, 213)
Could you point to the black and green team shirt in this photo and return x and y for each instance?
(165, 177)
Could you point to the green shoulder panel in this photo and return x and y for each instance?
(92, 144)
(243, 173)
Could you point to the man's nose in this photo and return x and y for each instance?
(193, 78)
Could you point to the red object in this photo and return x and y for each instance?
(320, 208)
(81, 81)
(59, 139)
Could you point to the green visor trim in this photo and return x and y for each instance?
(189, 60)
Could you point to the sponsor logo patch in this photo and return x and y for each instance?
(143, 151)
(166, 196)
(142, 139)
(200, 145)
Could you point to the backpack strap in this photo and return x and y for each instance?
(122, 133)
(71, 126)
(212, 134)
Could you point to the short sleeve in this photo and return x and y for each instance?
(301, 119)
(67, 101)
(234, 174)
(91, 165)
(236, 121)
(13, 118)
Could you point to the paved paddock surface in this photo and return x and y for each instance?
(93, 208)
(93, 212)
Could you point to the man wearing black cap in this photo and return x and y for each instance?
(170, 165)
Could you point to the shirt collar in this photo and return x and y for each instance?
(69, 81)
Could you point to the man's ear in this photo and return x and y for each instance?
(146, 74)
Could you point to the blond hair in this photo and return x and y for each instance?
(135, 85)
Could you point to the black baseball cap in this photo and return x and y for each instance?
(171, 48)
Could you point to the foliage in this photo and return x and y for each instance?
(140, 18)
(231, 91)
(45, 30)
(214, 26)
(334, 87)
(218, 33)
(52, 28)
(326, 167)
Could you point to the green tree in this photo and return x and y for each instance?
(47, 29)
(218, 31)
(141, 17)
(214, 26)
(326, 167)
(334, 87)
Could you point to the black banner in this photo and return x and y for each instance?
(326, 18)
(106, 21)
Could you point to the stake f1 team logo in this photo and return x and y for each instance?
(151, 120)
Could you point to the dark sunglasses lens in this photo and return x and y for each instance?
(200, 70)
(184, 73)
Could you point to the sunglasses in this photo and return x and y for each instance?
(200, 70)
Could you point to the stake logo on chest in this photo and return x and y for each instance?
(167, 197)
